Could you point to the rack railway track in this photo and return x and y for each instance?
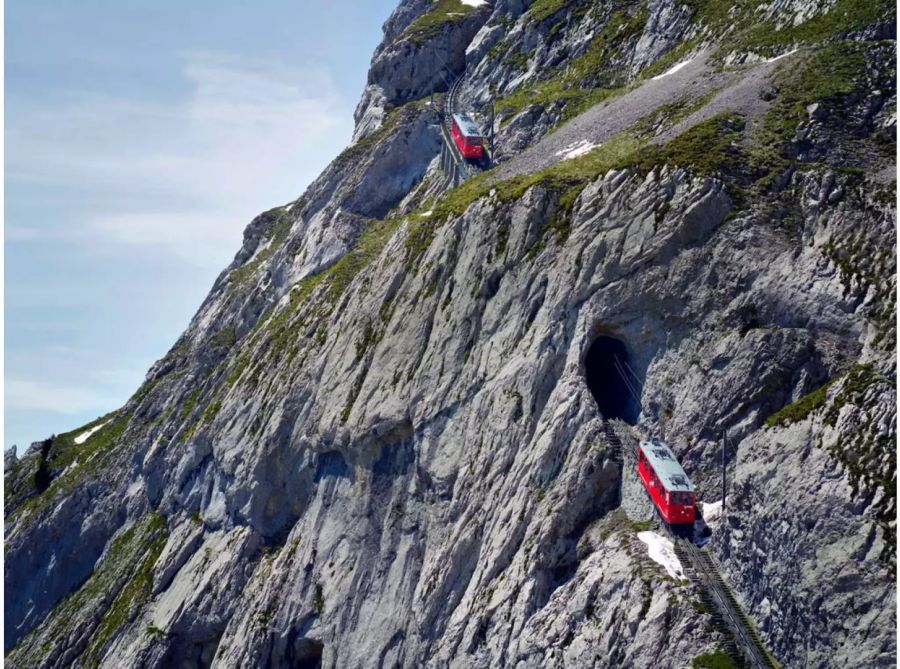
(745, 643)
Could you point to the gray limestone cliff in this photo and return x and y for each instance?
(380, 442)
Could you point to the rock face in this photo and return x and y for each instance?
(376, 444)
(10, 458)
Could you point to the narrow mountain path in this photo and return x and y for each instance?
(695, 78)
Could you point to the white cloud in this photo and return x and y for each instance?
(188, 174)
(25, 394)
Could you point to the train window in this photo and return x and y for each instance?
(684, 498)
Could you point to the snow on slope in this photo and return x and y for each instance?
(84, 436)
(711, 511)
(673, 69)
(577, 149)
(772, 60)
(662, 550)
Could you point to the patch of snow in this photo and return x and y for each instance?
(474, 3)
(135, 487)
(772, 60)
(288, 207)
(673, 69)
(711, 510)
(662, 550)
(577, 149)
(428, 213)
(84, 436)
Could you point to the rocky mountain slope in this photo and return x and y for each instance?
(379, 444)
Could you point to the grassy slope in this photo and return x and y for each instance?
(733, 27)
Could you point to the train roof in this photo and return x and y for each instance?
(466, 125)
(666, 466)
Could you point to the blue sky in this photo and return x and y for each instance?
(141, 138)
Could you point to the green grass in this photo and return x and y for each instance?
(211, 411)
(119, 586)
(224, 338)
(797, 411)
(325, 289)
(518, 61)
(432, 22)
(320, 599)
(544, 9)
(717, 660)
(869, 456)
(361, 147)
(133, 596)
(826, 73)
(190, 403)
(91, 455)
(27, 476)
(740, 28)
(706, 149)
(367, 248)
(857, 381)
(278, 223)
(668, 115)
(588, 79)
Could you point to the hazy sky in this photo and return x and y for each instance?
(141, 138)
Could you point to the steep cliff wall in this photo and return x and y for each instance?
(375, 444)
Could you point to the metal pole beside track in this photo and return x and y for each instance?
(492, 129)
(724, 444)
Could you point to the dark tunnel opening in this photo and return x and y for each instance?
(609, 374)
(306, 654)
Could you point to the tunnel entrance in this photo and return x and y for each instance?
(306, 654)
(607, 370)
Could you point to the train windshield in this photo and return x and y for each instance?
(467, 127)
(682, 498)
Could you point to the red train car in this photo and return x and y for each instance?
(467, 136)
(669, 487)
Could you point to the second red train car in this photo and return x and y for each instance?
(467, 136)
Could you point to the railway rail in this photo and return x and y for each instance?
(717, 595)
(731, 615)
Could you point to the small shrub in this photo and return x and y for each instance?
(800, 409)
(320, 599)
(716, 660)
